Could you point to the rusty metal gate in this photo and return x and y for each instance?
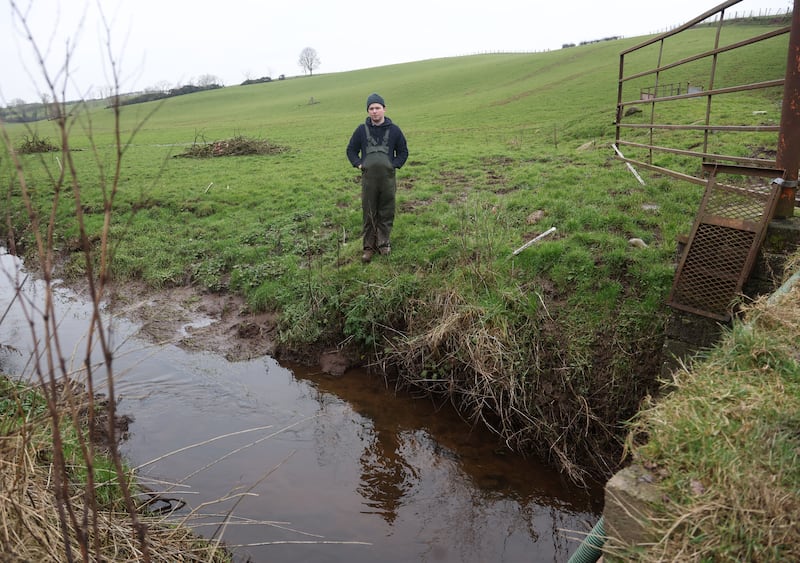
(731, 223)
(722, 248)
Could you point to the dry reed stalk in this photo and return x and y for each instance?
(29, 523)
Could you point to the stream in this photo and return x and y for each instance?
(290, 464)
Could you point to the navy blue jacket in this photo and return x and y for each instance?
(398, 150)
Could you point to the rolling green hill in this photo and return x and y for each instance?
(552, 348)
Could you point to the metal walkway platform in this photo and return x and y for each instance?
(723, 246)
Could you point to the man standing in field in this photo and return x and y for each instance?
(378, 148)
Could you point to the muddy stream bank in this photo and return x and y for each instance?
(314, 467)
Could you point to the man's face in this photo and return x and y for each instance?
(376, 112)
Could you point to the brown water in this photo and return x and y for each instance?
(315, 468)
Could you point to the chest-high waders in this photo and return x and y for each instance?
(378, 187)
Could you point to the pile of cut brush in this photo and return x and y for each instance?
(36, 144)
(235, 146)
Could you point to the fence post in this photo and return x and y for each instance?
(788, 157)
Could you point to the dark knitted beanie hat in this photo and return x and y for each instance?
(375, 98)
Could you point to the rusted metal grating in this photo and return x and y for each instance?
(722, 248)
(745, 205)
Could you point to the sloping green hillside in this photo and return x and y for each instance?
(552, 348)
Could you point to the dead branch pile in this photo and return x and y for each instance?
(235, 146)
(36, 144)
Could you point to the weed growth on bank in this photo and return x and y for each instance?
(725, 446)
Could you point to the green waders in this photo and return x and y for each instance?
(378, 187)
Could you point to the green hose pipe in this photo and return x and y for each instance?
(589, 550)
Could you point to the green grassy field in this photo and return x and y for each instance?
(553, 348)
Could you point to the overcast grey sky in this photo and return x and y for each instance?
(157, 42)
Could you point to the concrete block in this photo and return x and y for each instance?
(700, 331)
(630, 496)
(783, 236)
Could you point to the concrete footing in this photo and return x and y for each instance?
(629, 497)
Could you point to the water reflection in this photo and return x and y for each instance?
(386, 477)
(451, 489)
(317, 468)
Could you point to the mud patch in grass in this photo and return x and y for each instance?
(197, 321)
